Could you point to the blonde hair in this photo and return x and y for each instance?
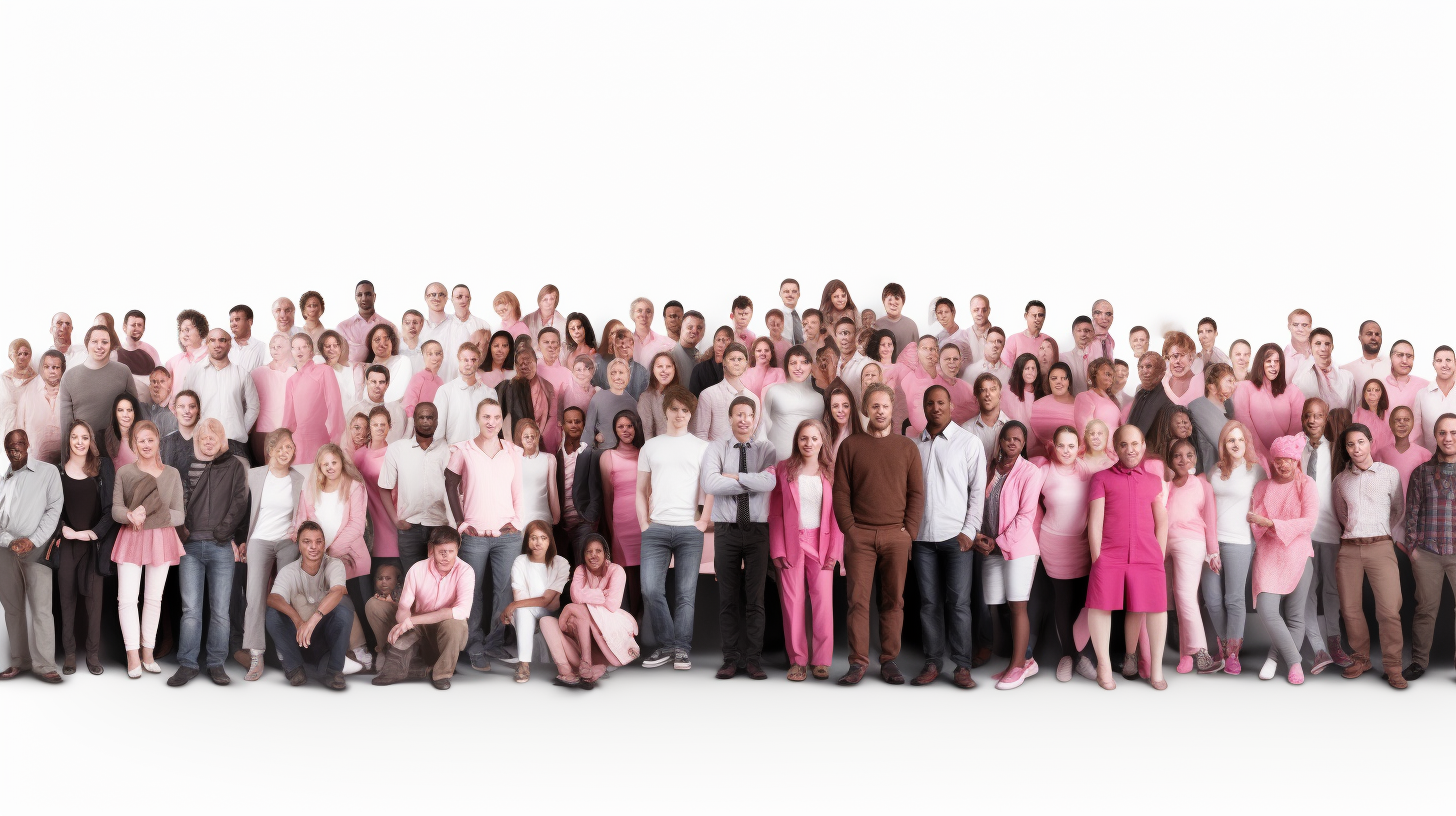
(211, 426)
(510, 299)
(347, 476)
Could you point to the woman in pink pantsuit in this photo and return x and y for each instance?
(1127, 532)
(1192, 542)
(805, 555)
(1094, 403)
(311, 406)
(593, 631)
(1266, 403)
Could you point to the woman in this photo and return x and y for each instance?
(1053, 410)
(881, 348)
(1267, 405)
(581, 341)
(605, 405)
(335, 352)
(12, 382)
(311, 305)
(273, 490)
(426, 383)
(764, 369)
(311, 407)
(805, 542)
(1024, 389)
(709, 370)
(86, 533)
(1007, 543)
(618, 470)
(1062, 543)
(538, 476)
(508, 308)
(1239, 353)
(537, 577)
(1211, 411)
(358, 436)
(1180, 383)
(649, 406)
(593, 631)
(148, 501)
(1173, 423)
(369, 459)
(271, 382)
(1282, 513)
(841, 415)
(546, 315)
(787, 404)
(1127, 528)
(1226, 575)
(1192, 542)
(1371, 412)
(500, 360)
(1047, 354)
(334, 497)
(1401, 455)
(1099, 401)
(836, 303)
(382, 348)
(124, 414)
(1094, 446)
(579, 390)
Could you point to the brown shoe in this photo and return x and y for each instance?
(12, 673)
(51, 677)
(244, 658)
(727, 670)
(755, 672)
(69, 666)
(819, 672)
(962, 678)
(443, 684)
(927, 675)
(797, 673)
(852, 677)
(1356, 669)
(981, 657)
(1395, 680)
(890, 673)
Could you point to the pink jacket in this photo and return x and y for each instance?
(350, 537)
(783, 520)
(1268, 417)
(1016, 523)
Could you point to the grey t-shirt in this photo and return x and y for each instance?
(305, 592)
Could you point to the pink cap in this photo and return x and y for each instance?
(1287, 447)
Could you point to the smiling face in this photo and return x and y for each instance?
(80, 441)
(839, 409)
(1011, 443)
(364, 298)
(489, 418)
(1059, 382)
(1402, 359)
(839, 298)
(995, 344)
(1300, 326)
(1185, 459)
(1138, 339)
(1035, 317)
(945, 316)
(282, 453)
(950, 361)
(810, 442)
(98, 344)
(1096, 437)
(625, 431)
(125, 415)
(595, 555)
(380, 344)
(1065, 447)
(988, 395)
(642, 315)
(1234, 445)
(1129, 444)
(146, 444)
(762, 353)
(530, 440)
(799, 369)
(1271, 365)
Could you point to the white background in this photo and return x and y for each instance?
(1231, 159)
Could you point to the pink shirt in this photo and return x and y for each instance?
(645, 348)
(183, 363)
(517, 329)
(1282, 551)
(312, 409)
(1403, 393)
(1380, 434)
(490, 486)
(355, 330)
(1194, 391)
(571, 395)
(421, 388)
(1191, 513)
(1018, 344)
(1404, 464)
(1091, 405)
(554, 373)
(272, 389)
(745, 337)
(963, 403)
(425, 590)
(37, 413)
(1047, 414)
(1268, 417)
(1016, 518)
(1062, 530)
(1014, 408)
(760, 377)
(911, 385)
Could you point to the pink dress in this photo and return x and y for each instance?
(1047, 414)
(1128, 573)
(1091, 405)
(1268, 417)
(312, 411)
(386, 535)
(1281, 551)
(1062, 533)
(760, 377)
(155, 547)
(626, 533)
(613, 628)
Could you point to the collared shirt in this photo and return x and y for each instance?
(1000, 370)
(425, 590)
(1368, 502)
(1430, 404)
(30, 503)
(451, 333)
(249, 354)
(490, 486)
(1293, 359)
(399, 422)
(757, 481)
(712, 421)
(181, 364)
(1365, 370)
(569, 516)
(645, 348)
(1430, 508)
(75, 355)
(986, 433)
(355, 329)
(955, 483)
(227, 394)
(1336, 386)
(1405, 394)
(1077, 360)
(417, 477)
(851, 370)
(455, 403)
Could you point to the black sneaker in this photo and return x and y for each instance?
(184, 674)
(657, 658)
(297, 677)
(1413, 672)
(680, 660)
(333, 680)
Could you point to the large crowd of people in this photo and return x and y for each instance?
(379, 498)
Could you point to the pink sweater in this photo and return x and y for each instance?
(1191, 513)
(1281, 551)
(1268, 417)
(1047, 414)
(783, 520)
(350, 537)
(1016, 523)
(421, 388)
(1018, 344)
(1091, 405)
(312, 409)
(272, 390)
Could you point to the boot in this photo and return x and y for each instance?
(1341, 658)
(1231, 660)
(396, 666)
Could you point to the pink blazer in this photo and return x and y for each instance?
(350, 537)
(1020, 499)
(783, 520)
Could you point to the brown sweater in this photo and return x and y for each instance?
(878, 481)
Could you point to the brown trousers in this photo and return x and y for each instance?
(381, 615)
(869, 553)
(1431, 571)
(1377, 561)
(440, 644)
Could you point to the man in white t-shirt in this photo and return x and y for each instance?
(667, 498)
(306, 613)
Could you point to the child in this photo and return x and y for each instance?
(907, 334)
(742, 313)
(381, 609)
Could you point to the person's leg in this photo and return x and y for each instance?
(1326, 587)
(262, 555)
(1132, 625)
(525, 620)
(656, 553)
(1235, 586)
(1384, 573)
(1281, 639)
(219, 567)
(1298, 607)
(556, 643)
(1351, 573)
(503, 551)
(956, 566)
(334, 629)
(893, 557)
(932, 613)
(1099, 625)
(980, 610)
(381, 615)
(67, 558)
(156, 585)
(1310, 613)
(1157, 623)
(1430, 574)
(1187, 568)
(1448, 562)
(728, 550)
(1064, 615)
(475, 551)
(859, 566)
(820, 584)
(93, 612)
(38, 579)
(687, 550)
(128, 585)
(1212, 586)
(412, 546)
(450, 637)
(192, 574)
(285, 639)
(755, 579)
(358, 591)
(1019, 575)
(792, 579)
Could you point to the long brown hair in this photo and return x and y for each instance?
(826, 305)
(1256, 369)
(91, 465)
(1225, 464)
(796, 459)
(652, 383)
(838, 386)
(545, 527)
(348, 474)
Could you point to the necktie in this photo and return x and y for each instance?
(1311, 470)
(797, 330)
(742, 468)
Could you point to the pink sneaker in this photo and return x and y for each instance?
(1296, 676)
(1185, 664)
(1031, 668)
(1231, 663)
(1013, 678)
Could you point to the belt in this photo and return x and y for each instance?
(1367, 541)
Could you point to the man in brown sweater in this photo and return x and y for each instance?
(879, 495)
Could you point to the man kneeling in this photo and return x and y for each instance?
(434, 605)
(305, 616)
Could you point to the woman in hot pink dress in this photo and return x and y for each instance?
(370, 460)
(1266, 403)
(619, 496)
(765, 370)
(1053, 410)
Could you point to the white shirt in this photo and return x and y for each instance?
(250, 356)
(987, 434)
(1001, 371)
(456, 403)
(1366, 370)
(532, 580)
(675, 462)
(850, 372)
(275, 509)
(1430, 405)
(417, 477)
(811, 501)
(399, 424)
(226, 394)
(955, 483)
(328, 511)
(75, 356)
(1231, 502)
(1326, 526)
(450, 333)
(1336, 386)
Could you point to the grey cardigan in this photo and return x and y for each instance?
(256, 478)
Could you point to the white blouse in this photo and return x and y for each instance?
(811, 501)
(1231, 499)
(532, 580)
(328, 511)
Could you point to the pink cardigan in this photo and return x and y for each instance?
(1016, 523)
(602, 597)
(350, 537)
(783, 520)
(1266, 416)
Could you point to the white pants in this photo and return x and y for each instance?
(525, 621)
(128, 582)
(1003, 580)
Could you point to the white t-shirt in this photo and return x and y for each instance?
(532, 580)
(305, 592)
(674, 462)
(811, 502)
(329, 513)
(275, 509)
(1231, 500)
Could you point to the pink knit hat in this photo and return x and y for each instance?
(1287, 447)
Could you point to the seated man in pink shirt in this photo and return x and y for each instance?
(433, 607)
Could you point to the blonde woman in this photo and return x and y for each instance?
(1226, 573)
(273, 490)
(148, 502)
(334, 497)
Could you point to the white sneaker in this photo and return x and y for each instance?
(1271, 668)
(363, 658)
(351, 666)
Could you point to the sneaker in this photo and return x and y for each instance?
(1296, 676)
(1232, 664)
(480, 663)
(1322, 661)
(1355, 669)
(183, 675)
(1205, 662)
(1413, 672)
(297, 677)
(657, 658)
(1269, 669)
(1032, 667)
(1341, 658)
(680, 660)
(1086, 668)
(351, 666)
(363, 658)
(1064, 670)
(1013, 677)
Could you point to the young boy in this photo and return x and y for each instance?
(741, 315)
(907, 334)
(381, 609)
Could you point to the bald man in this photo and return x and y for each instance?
(283, 311)
(61, 328)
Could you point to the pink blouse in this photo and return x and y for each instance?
(1014, 408)
(1062, 528)
(963, 405)
(1195, 390)
(1281, 551)
(1047, 414)
(760, 377)
(1091, 405)
(272, 391)
(1268, 417)
(1192, 515)
(1381, 435)
(422, 388)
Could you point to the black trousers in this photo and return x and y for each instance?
(740, 558)
(79, 586)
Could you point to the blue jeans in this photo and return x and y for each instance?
(211, 563)
(498, 553)
(662, 544)
(412, 546)
(942, 571)
(329, 643)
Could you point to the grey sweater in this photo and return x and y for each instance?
(87, 395)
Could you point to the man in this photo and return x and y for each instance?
(30, 507)
(1371, 364)
(1208, 351)
(1029, 340)
(191, 330)
(740, 315)
(879, 497)
(283, 313)
(1316, 460)
(1317, 376)
(989, 361)
(826, 367)
(986, 426)
(177, 445)
(1179, 381)
(305, 615)
(410, 324)
(139, 357)
(904, 329)
(1367, 502)
(1151, 396)
(685, 353)
(226, 392)
(646, 341)
(1430, 539)
(61, 328)
(954, 473)
(738, 473)
(1139, 339)
(528, 396)
(37, 412)
(918, 376)
(672, 318)
(668, 469)
(355, 328)
(450, 330)
(247, 352)
(975, 335)
(714, 423)
(412, 479)
(962, 394)
(550, 369)
(1082, 352)
(1433, 400)
(431, 615)
(376, 382)
(638, 376)
(1298, 350)
(851, 362)
(1102, 341)
(945, 315)
(89, 390)
(158, 409)
(1120, 379)
(1400, 387)
(789, 297)
(575, 527)
(457, 398)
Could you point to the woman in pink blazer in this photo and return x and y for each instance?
(805, 542)
(334, 497)
(1008, 543)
